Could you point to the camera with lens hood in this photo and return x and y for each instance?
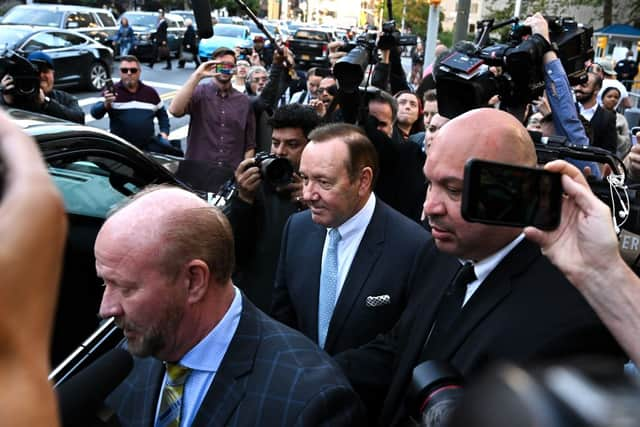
(26, 77)
(275, 170)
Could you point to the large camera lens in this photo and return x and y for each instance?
(275, 170)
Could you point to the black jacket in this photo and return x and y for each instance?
(61, 105)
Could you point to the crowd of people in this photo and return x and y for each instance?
(311, 300)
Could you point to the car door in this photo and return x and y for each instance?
(61, 51)
(74, 59)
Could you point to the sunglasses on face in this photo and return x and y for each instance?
(128, 70)
(331, 90)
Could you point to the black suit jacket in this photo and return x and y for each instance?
(525, 310)
(269, 373)
(386, 263)
(603, 127)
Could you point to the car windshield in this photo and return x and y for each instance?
(33, 16)
(9, 36)
(149, 21)
(229, 31)
(252, 26)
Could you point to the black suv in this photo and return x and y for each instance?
(99, 24)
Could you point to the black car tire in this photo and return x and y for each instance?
(98, 75)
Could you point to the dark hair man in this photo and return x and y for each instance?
(260, 210)
(222, 128)
(603, 122)
(348, 262)
(204, 354)
(509, 304)
(161, 44)
(47, 100)
(132, 108)
(311, 92)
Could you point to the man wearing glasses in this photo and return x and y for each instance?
(132, 106)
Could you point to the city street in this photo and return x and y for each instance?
(167, 84)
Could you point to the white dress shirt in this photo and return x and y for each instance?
(351, 232)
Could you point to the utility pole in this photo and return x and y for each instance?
(462, 20)
(404, 14)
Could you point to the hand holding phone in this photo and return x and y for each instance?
(515, 196)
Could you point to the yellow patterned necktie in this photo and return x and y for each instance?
(171, 403)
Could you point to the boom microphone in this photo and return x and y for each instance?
(202, 13)
(80, 397)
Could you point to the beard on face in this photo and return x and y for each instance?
(155, 338)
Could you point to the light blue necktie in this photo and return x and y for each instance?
(328, 286)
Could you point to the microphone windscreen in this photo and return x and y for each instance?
(82, 395)
(202, 13)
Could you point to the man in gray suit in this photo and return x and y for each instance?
(205, 356)
(348, 262)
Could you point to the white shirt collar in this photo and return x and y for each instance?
(486, 266)
(208, 353)
(360, 220)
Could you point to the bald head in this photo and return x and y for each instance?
(147, 212)
(489, 134)
(169, 225)
(486, 134)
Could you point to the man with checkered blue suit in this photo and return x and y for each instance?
(204, 354)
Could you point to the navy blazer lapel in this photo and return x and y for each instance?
(491, 292)
(153, 374)
(366, 256)
(228, 387)
(313, 252)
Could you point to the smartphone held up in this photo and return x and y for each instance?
(515, 196)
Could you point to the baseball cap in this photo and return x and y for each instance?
(258, 39)
(41, 59)
(606, 67)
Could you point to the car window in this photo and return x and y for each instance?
(92, 185)
(80, 20)
(149, 21)
(45, 40)
(71, 39)
(107, 19)
(317, 36)
(171, 23)
(33, 16)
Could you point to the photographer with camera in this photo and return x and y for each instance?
(43, 99)
(506, 303)
(222, 129)
(265, 199)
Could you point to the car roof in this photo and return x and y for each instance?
(39, 124)
(63, 7)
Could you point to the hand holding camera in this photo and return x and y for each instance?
(248, 180)
(8, 87)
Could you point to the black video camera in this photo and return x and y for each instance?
(26, 77)
(466, 79)
(275, 170)
(349, 70)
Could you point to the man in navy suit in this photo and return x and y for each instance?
(515, 306)
(377, 255)
(204, 355)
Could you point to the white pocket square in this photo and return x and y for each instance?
(378, 300)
